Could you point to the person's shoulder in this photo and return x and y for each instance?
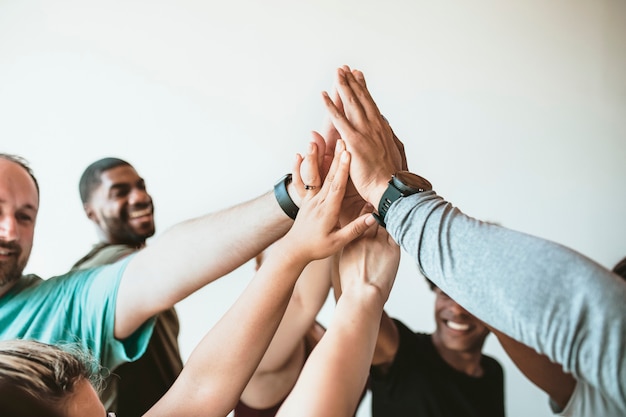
(104, 254)
(491, 364)
(409, 336)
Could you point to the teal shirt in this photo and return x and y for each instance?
(78, 307)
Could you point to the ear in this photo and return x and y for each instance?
(90, 212)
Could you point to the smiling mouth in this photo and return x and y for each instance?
(462, 327)
(140, 213)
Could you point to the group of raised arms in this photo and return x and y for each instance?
(102, 339)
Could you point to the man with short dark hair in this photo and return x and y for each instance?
(116, 200)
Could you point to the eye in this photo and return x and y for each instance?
(120, 191)
(24, 218)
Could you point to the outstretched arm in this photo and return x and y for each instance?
(338, 367)
(194, 253)
(219, 368)
(388, 340)
(279, 369)
(546, 296)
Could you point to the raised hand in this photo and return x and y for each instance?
(376, 152)
(316, 232)
(371, 260)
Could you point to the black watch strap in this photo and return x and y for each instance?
(282, 196)
(390, 195)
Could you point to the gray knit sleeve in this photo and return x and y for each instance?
(540, 293)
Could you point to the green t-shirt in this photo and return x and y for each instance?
(78, 307)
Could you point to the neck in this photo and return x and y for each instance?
(6, 287)
(466, 361)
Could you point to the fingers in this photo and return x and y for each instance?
(353, 108)
(306, 176)
(368, 107)
(337, 177)
(338, 118)
(296, 177)
(400, 147)
(355, 228)
(310, 169)
(325, 151)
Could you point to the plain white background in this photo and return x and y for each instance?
(516, 112)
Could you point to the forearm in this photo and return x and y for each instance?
(540, 293)
(338, 367)
(219, 368)
(387, 342)
(193, 254)
(547, 375)
(309, 295)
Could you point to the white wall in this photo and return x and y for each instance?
(514, 110)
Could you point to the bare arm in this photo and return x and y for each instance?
(552, 292)
(338, 368)
(547, 375)
(192, 254)
(279, 369)
(220, 367)
(388, 340)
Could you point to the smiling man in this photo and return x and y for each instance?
(115, 198)
(440, 374)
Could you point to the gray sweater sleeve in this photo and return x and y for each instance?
(540, 293)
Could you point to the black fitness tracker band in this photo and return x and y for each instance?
(282, 196)
(401, 184)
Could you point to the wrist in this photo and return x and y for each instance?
(401, 184)
(283, 198)
(293, 194)
(375, 193)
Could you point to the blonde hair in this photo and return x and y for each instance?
(43, 374)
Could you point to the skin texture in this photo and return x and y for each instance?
(459, 336)
(84, 402)
(221, 365)
(121, 207)
(362, 127)
(281, 365)
(338, 368)
(19, 203)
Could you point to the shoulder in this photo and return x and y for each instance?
(491, 366)
(103, 254)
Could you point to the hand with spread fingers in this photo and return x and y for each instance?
(377, 153)
(316, 231)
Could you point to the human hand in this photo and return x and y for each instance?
(326, 138)
(316, 233)
(371, 260)
(377, 152)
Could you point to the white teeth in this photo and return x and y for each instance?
(458, 326)
(140, 213)
(5, 252)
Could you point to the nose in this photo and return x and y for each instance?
(139, 196)
(457, 309)
(8, 228)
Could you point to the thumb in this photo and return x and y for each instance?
(355, 228)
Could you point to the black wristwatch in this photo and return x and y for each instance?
(401, 184)
(282, 196)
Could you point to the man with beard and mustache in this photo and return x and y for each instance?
(109, 310)
(116, 200)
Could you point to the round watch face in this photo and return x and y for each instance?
(411, 182)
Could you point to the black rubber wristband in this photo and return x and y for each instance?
(282, 196)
